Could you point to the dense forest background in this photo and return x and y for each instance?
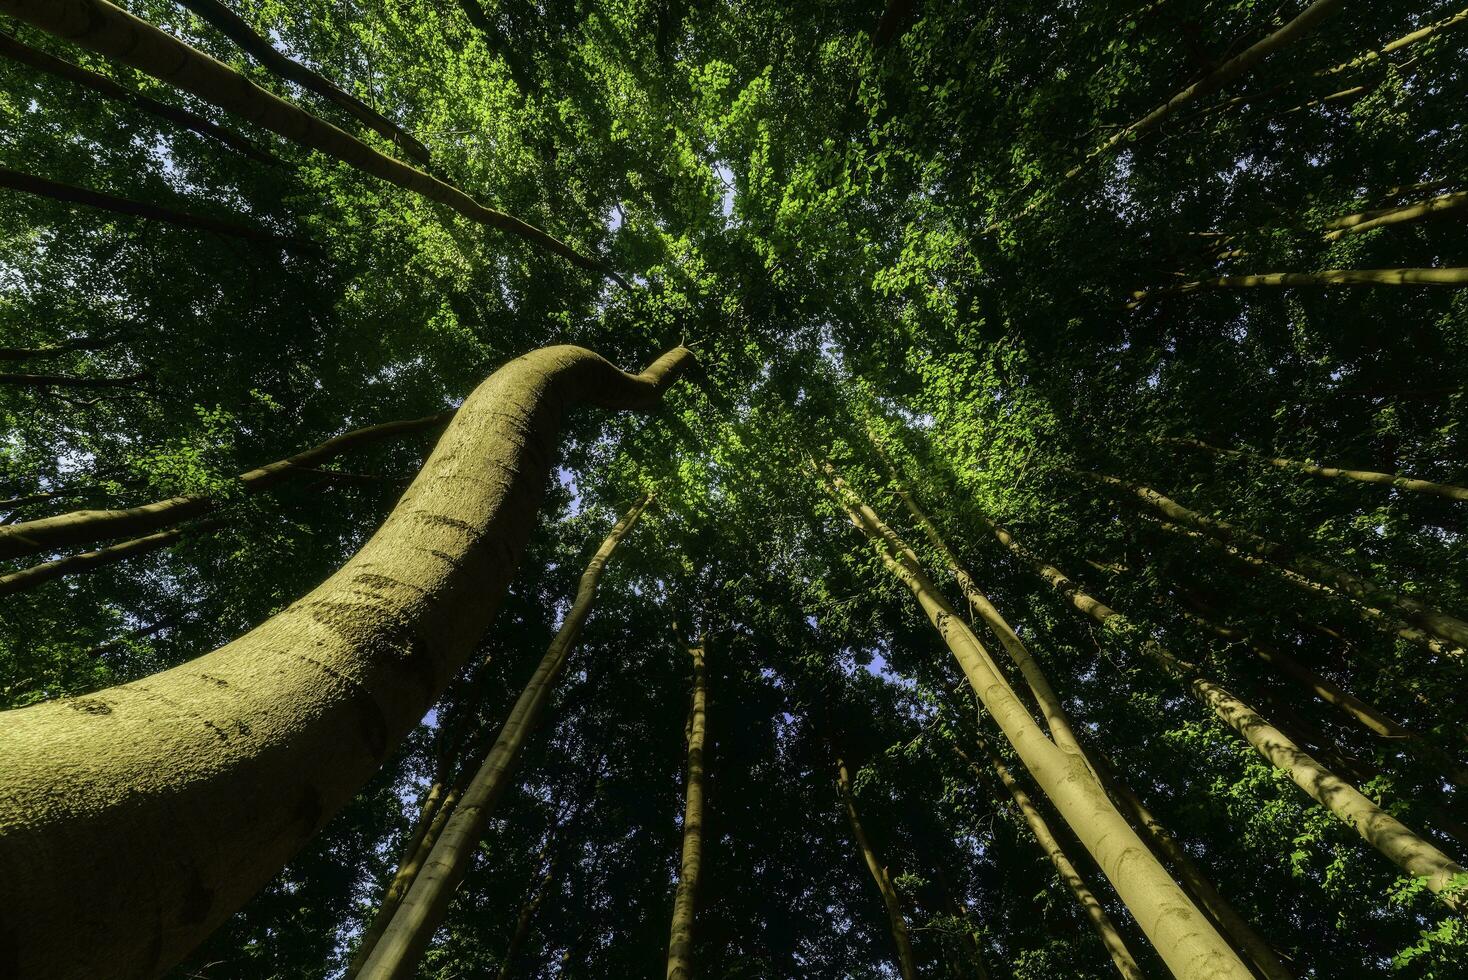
(1093, 284)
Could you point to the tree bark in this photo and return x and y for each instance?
(1182, 935)
(526, 919)
(1409, 851)
(396, 954)
(26, 579)
(1442, 625)
(234, 27)
(61, 68)
(101, 27)
(69, 194)
(230, 762)
(1230, 70)
(680, 940)
(1233, 924)
(1447, 490)
(1106, 930)
(901, 937)
(1407, 40)
(1370, 614)
(1367, 220)
(437, 807)
(68, 381)
(85, 526)
(1331, 277)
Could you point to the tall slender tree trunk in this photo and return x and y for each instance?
(1105, 929)
(1379, 618)
(1447, 490)
(896, 921)
(101, 27)
(680, 940)
(1245, 939)
(1407, 40)
(1248, 941)
(1057, 719)
(397, 953)
(1329, 277)
(88, 561)
(234, 27)
(233, 760)
(101, 84)
(436, 810)
(84, 526)
(526, 918)
(70, 194)
(1408, 850)
(1192, 948)
(1368, 220)
(1440, 624)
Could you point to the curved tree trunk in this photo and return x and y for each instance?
(61, 68)
(85, 526)
(70, 194)
(1440, 624)
(1192, 948)
(1106, 930)
(234, 27)
(680, 939)
(228, 763)
(901, 937)
(1409, 851)
(397, 953)
(1447, 490)
(101, 27)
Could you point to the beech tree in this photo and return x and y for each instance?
(1017, 447)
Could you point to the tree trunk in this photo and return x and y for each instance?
(230, 762)
(1230, 70)
(85, 526)
(1106, 931)
(1371, 614)
(436, 810)
(69, 194)
(1447, 490)
(1407, 40)
(1331, 277)
(1182, 935)
(1366, 221)
(1237, 928)
(1053, 709)
(396, 954)
(1410, 852)
(234, 27)
(901, 938)
(52, 65)
(28, 578)
(1440, 624)
(526, 919)
(99, 26)
(68, 381)
(680, 941)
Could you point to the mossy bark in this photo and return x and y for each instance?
(230, 762)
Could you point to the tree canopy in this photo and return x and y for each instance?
(1125, 343)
